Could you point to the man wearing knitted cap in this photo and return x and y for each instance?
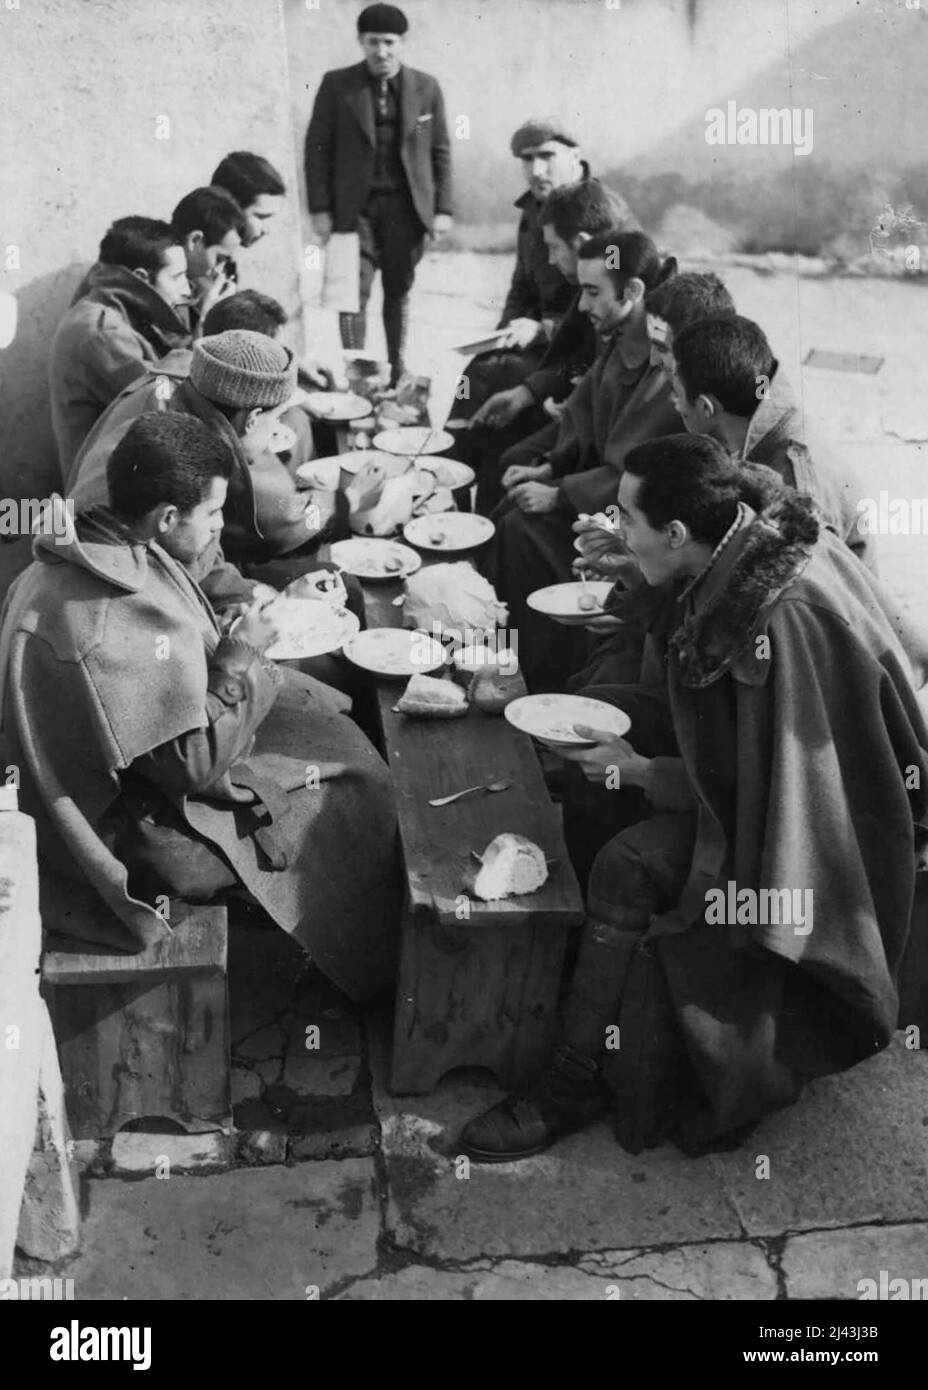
(540, 294)
(239, 383)
(378, 162)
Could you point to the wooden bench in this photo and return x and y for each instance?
(478, 982)
(145, 1035)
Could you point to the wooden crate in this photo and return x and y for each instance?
(144, 1036)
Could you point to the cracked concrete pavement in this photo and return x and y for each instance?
(351, 1193)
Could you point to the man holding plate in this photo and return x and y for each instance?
(750, 933)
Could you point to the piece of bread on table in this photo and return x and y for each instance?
(426, 697)
(512, 865)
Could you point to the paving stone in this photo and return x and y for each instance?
(853, 1150)
(314, 1074)
(270, 1071)
(830, 1264)
(264, 970)
(355, 1140)
(145, 1153)
(254, 1233)
(261, 1146)
(721, 1270)
(509, 1281)
(246, 1085)
(586, 1193)
(84, 1153)
(266, 1042)
(727, 1270)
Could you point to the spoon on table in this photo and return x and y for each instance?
(502, 785)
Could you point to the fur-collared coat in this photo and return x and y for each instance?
(803, 752)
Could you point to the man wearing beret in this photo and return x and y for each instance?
(540, 294)
(378, 162)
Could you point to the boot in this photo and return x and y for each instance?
(353, 330)
(569, 1096)
(396, 328)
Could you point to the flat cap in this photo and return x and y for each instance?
(536, 132)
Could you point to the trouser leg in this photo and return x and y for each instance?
(400, 240)
(396, 330)
(639, 873)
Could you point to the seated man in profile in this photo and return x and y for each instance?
(211, 227)
(160, 757)
(728, 384)
(747, 935)
(256, 186)
(128, 311)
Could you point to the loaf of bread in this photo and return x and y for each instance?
(511, 865)
(425, 697)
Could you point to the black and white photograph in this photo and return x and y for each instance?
(464, 667)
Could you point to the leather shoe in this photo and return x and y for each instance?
(570, 1096)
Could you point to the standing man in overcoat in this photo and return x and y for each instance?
(378, 162)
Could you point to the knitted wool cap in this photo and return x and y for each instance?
(382, 19)
(241, 368)
(537, 132)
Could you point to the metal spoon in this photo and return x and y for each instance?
(502, 785)
(587, 601)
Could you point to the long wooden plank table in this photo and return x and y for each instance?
(478, 982)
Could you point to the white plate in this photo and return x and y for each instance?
(322, 473)
(412, 440)
(449, 531)
(337, 405)
(550, 718)
(395, 652)
(490, 340)
(393, 465)
(451, 473)
(308, 627)
(366, 558)
(438, 501)
(561, 601)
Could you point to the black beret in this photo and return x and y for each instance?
(382, 19)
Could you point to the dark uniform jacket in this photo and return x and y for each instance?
(341, 145)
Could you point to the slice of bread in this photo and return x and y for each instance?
(426, 697)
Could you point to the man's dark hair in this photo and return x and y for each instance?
(138, 243)
(573, 208)
(164, 457)
(246, 309)
(726, 358)
(246, 176)
(212, 211)
(686, 298)
(689, 478)
(627, 256)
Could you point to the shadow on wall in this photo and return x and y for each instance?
(28, 457)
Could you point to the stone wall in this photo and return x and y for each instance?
(85, 82)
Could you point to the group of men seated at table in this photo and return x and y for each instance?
(748, 851)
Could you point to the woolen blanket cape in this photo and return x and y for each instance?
(103, 657)
(116, 326)
(803, 743)
(613, 408)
